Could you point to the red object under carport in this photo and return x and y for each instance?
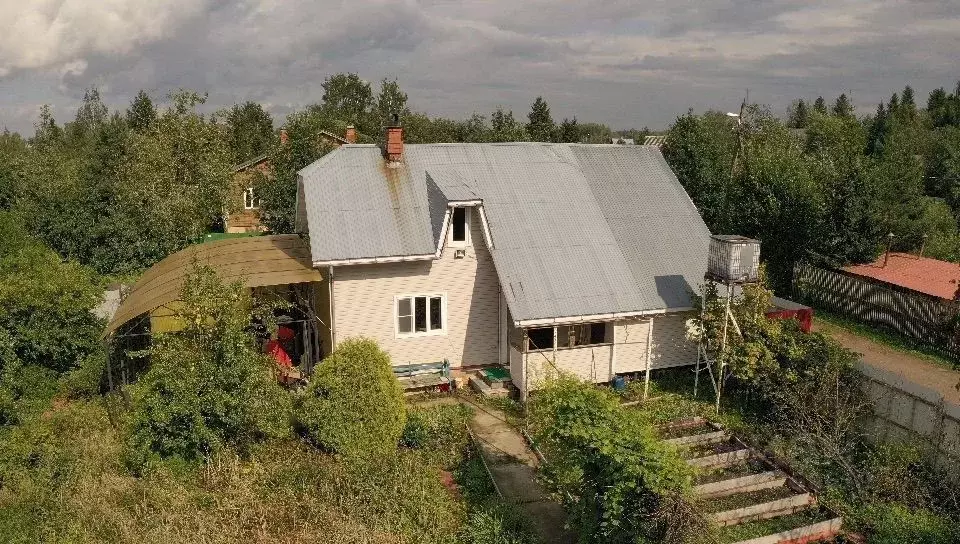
(781, 308)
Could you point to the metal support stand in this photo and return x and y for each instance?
(717, 366)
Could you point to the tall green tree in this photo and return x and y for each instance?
(505, 128)
(820, 106)
(13, 150)
(541, 127)
(474, 129)
(278, 191)
(175, 177)
(569, 131)
(249, 131)
(350, 99)
(842, 107)
(391, 100)
(850, 202)
(91, 114)
(799, 115)
(141, 114)
(908, 103)
(700, 151)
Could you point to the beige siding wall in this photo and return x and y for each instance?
(670, 344)
(631, 340)
(364, 304)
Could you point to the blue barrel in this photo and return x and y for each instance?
(619, 383)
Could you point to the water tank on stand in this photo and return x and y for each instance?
(733, 259)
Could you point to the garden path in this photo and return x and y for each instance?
(914, 369)
(513, 466)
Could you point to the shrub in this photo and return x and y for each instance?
(45, 304)
(354, 404)
(440, 431)
(892, 523)
(623, 483)
(208, 385)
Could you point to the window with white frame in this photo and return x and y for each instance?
(460, 227)
(250, 201)
(421, 315)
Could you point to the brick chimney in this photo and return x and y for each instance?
(351, 135)
(283, 136)
(393, 148)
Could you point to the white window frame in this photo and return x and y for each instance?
(467, 218)
(442, 331)
(250, 201)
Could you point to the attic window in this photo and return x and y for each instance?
(460, 227)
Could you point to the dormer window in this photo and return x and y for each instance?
(460, 227)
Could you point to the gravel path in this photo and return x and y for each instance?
(914, 369)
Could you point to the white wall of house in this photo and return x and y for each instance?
(364, 304)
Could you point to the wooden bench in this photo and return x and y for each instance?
(417, 376)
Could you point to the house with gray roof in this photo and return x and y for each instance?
(539, 257)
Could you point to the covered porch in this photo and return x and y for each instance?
(596, 351)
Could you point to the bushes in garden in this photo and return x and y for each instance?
(208, 386)
(621, 483)
(440, 430)
(354, 404)
(46, 327)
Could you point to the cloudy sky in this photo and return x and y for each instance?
(626, 63)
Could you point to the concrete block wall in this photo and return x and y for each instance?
(905, 412)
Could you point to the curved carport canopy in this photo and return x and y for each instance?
(258, 261)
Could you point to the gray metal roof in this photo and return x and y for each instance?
(576, 229)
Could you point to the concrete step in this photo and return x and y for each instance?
(480, 386)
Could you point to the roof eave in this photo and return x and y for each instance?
(525, 323)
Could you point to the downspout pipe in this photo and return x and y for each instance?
(333, 307)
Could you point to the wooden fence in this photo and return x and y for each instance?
(924, 318)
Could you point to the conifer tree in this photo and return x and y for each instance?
(878, 130)
(141, 113)
(820, 106)
(842, 107)
(541, 127)
(799, 116)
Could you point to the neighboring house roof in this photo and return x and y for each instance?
(252, 162)
(921, 274)
(622, 141)
(256, 260)
(657, 140)
(339, 139)
(576, 229)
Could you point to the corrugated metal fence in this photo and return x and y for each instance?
(924, 318)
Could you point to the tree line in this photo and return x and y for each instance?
(825, 185)
(119, 190)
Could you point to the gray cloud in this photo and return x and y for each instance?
(615, 61)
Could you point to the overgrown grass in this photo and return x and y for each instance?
(62, 479)
(827, 321)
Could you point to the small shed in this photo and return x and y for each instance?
(781, 308)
